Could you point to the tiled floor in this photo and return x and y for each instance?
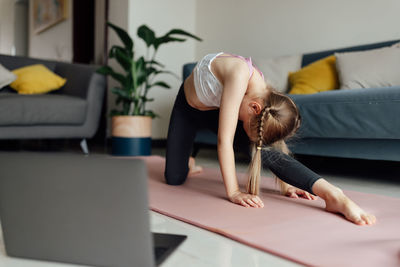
(203, 248)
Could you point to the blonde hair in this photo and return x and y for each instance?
(278, 120)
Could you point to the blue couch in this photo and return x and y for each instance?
(357, 123)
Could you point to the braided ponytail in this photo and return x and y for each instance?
(278, 120)
(253, 182)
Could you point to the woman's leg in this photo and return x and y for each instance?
(294, 173)
(206, 120)
(289, 169)
(181, 133)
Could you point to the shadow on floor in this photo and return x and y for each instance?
(354, 168)
(51, 145)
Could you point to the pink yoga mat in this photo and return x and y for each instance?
(296, 229)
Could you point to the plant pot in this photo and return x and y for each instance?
(131, 135)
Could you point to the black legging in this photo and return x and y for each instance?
(186, 121)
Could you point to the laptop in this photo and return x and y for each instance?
(90, 210)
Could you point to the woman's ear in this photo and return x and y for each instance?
(255, 107)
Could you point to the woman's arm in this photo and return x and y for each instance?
(235, 86)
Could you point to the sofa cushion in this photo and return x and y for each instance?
(369, 113)
(6, 77)
(25, 110)
(36, 79)
(319, 76)
(374, 68)
(276, 70)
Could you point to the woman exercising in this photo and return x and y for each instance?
(228, 94)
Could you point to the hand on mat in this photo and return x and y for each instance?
(294, 192)
(246, 200)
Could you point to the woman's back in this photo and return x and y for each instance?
(203, 88)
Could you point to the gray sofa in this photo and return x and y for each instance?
(70, 112)
(356, 123)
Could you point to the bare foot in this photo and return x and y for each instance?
(193, 168)
(338, 202)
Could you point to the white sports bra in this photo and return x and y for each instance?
(208, 87)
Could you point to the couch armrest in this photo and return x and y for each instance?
(79, 77)
(84, 82)
(95, 98)
(187, 69)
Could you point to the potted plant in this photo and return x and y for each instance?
(131, 125)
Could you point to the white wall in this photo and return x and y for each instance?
(6, 26)
(117, 14)
(54, 43)
(268, 28)
(162, 16)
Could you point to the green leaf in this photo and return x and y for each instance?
(155, 63)
(123, 36)
(161, 84)
(150, 71)
(166, 39)
(167, 72)
(103, 70)
(140, 71)
(146, 34)
(150, 113)
(123, 50)
(107, 70)
(123, 94)
(145, 99)
(123, 59)
(185, 33)
(115, 112)
(125, 108)
(118, 100)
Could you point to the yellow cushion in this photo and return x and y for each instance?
(36, 79)
(316, 77)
